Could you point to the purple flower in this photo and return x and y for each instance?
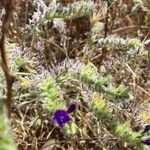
(147, 141)
(61, 116)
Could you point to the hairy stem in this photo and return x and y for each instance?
(8, 5)
(104, 50)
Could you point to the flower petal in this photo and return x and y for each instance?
(72, 108)
(61, 117)
(147, 141)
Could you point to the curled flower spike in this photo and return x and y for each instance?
(61, 116)
(146, 142)
(147, 128)
(72, 108)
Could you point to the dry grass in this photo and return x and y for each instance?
(31, 124)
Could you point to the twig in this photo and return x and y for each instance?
(104, 50)
(8, 5)
(106, 23)
(135, 76)
(129, 27)
(82, 139)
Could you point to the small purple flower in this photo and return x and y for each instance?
(146, 142)
(61, 116)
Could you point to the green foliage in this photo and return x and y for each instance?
(70, 129)
(75, 10)
(116, 42)
(89, 73)
(97, 27)
(51, 94)
(110, 2)
(104, 112)
(119, 92)
(126, 133)
(128, 46)
(65, 78)
(99, 103)
(54, 27)
(6, 140)
(23, 65)
(1, 92)
(101, 84)
(138, 1)
(25, 83)
(133, 43)
(102, 109)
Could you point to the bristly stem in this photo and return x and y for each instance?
(8, 5)
(104, 50)
(106, 23)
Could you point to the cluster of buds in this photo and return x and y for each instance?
(146, 130)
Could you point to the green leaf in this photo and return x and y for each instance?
(126, 133)
(119, 92)
(99, 103)
(6, 140)
(133, 43)
(97, 27)
(71, 128)
(102, 83)
(89, 73)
